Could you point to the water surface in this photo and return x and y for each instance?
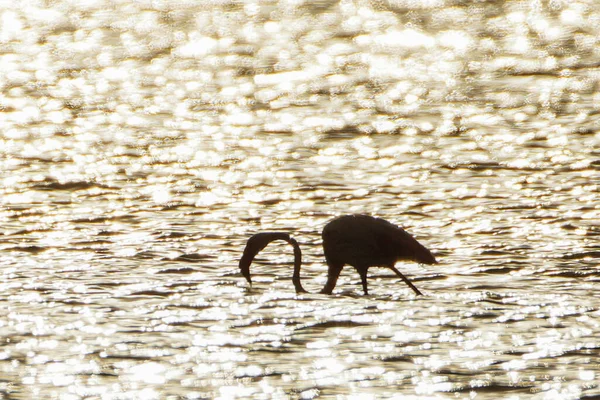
(141, 144)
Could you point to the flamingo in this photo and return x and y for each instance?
(361, 241)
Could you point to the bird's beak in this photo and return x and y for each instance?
(245, 269)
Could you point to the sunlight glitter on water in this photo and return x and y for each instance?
(143, 147)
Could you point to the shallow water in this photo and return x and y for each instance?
(142, 144)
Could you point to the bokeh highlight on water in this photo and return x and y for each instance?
(142, 143)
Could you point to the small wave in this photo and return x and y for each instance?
(493, 387)
(68, 185)
(194, 257)
(151, 293)
(183, 271)
(581, 255)
(146, 255)
(33, 249)
(171, 235)
(331, 324)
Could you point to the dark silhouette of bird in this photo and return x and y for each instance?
(361, 241)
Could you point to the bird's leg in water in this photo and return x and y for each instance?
(332, 277)
(363, 278)
(405, 279)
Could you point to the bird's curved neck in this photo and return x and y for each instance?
(297, 265)
(261, 240)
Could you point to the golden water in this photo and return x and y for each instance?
(142, 143)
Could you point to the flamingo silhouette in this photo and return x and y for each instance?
(361, 241)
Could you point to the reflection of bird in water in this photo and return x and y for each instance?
(358, 240)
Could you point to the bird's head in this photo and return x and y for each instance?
(254, 245)
(245, 262)
(424, 256)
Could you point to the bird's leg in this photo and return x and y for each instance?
(363, 279)
(332, 276)
(405, 279)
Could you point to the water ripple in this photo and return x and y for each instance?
(143, 144)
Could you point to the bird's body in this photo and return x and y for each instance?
(361, 241)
